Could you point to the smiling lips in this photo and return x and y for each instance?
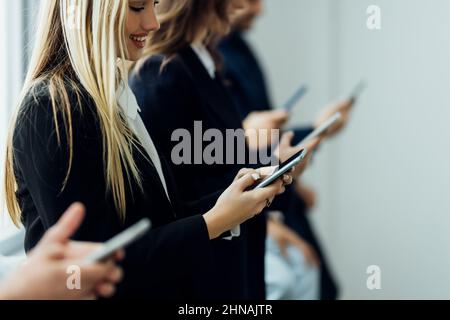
(139, 40)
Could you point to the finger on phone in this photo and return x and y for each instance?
(248, 180)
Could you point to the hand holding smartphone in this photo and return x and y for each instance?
(321, 130)
(282, 169)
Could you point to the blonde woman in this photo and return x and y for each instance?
(78, 136)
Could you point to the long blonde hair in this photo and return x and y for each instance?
(85, 39)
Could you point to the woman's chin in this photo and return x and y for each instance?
(135, 55)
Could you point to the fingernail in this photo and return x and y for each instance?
(256, 176)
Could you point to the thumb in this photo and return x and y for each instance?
(280, 115)
(311, 145)
(345, 105)
(248, 180)
(268, 192)
(266, 171)
(67, 225)
(242, 173)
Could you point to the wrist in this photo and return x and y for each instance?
(213, 224)
(276, 217)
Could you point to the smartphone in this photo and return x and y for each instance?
(120, 241)
(283, 168)
(296, 97)
(357, 91)
(323, 128)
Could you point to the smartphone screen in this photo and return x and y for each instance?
(296, 97)
(283, 168)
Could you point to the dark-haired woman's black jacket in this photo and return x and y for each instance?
(175, 95)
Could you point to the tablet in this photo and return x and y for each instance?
(283, 168)
(120, 241)
(323, 128)
(296, 97)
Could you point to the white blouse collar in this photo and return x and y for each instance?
(205, 57)
(127, 101)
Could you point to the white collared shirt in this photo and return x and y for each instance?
(208, 62)
(127, 101)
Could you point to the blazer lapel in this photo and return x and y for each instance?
(148, 169)
(213, 90)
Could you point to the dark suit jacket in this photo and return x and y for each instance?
(173, 97)
(246, 80)
(170, 262)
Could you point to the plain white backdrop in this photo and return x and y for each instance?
(384, 183)
(12, 56)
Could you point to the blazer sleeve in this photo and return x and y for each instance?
(202, 205)
(41, 160)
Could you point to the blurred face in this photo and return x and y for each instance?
(141, 20)
(223, 26)
(234, 6)
(245, 18)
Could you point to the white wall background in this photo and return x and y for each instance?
(384, 183)
(11, 66)
(17, 27)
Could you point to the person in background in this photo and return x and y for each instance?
(179, 85)
(246, 82)
(44, 275)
